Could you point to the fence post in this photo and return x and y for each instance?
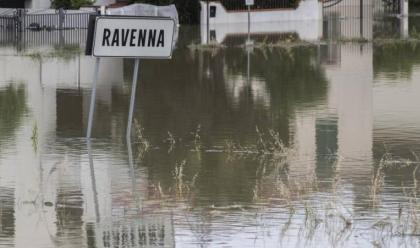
(207, 21)
(61, 17)
(20, 20)
(404, 7)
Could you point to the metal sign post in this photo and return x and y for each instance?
(132, 174)
(93, 181)
(133, 97)
(127, 37)
(93, 97)
(249, 3)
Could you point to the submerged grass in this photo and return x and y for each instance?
(66, 53)
(34, 137)
(305, 207)
(212, 47)
(142, 142)
(171, 142)
(283, 44)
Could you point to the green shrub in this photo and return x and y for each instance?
(70, 4)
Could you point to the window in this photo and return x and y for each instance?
(212, 11)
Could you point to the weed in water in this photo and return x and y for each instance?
(197, 138)
(141, 140)
(171, 141)
(34, 137)
(181, 188)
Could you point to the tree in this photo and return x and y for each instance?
(70, 4)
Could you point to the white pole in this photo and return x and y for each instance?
(92, 98)
(249, 19)
(133, 96)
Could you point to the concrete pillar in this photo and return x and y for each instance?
(404, 27)
(404, 7)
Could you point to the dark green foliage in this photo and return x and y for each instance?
(188, 10)
(260, 4)
(414, 6)
(70, 4)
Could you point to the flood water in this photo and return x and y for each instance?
(232, 147)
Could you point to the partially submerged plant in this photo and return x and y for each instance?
(212, 47)
(271, 144)
(141, 140)
(197, 138)
(180, 187)
(34, 137)
(171, 141)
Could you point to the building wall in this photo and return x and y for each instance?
(104, 2)
(307, 10)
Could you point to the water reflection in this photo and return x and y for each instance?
(209, 178)
(228, 33)
(123, 220)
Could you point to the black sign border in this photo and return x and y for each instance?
(93, 37)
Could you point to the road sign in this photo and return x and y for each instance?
(127, 37)
(249, 2)
(133, 37)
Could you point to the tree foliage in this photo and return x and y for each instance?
(70, 4)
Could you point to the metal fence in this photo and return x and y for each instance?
(36, 20)
(358, 8)
(239, 5)
(55, 21)
(54, 38)
(21, 27)
(7, 22)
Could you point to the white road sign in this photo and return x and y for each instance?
(133, 37)
(249, 2)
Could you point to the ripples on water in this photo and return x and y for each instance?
(314, 174)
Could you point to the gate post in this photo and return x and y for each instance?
(61, 17)
(20, 20)
(404, 7)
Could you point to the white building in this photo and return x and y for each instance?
(217, 13)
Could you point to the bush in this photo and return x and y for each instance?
(70, 4)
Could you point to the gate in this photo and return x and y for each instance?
(7, 22)
(7, 29)
(360, 8)
(22, 26)
(36, 20)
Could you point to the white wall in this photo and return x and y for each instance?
(104, 2)
(307, 10)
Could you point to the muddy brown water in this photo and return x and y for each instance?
(266, 147)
